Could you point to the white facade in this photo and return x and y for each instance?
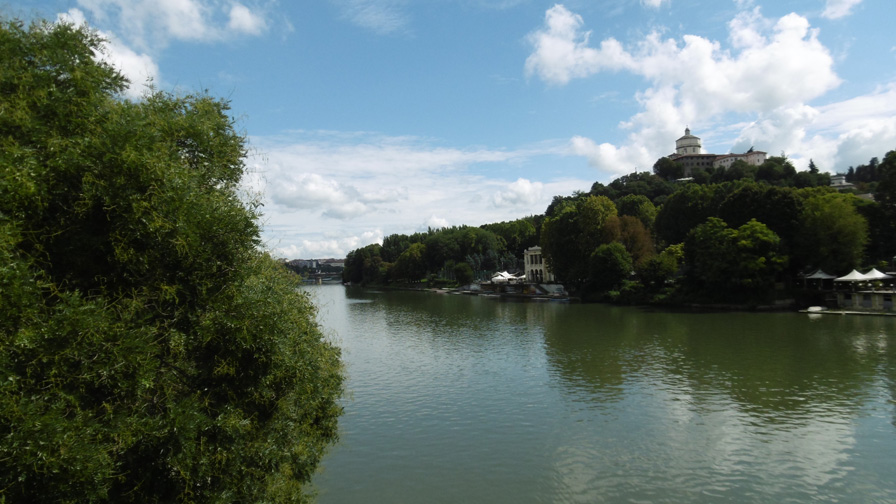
(689, 153)
(688, 144)
(533, 266)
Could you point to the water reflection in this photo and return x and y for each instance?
(713, 397)
(460, 398)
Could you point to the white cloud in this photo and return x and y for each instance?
(151, 23)
(328, 247)
(772, 70)
(835, 136)
(654, 3)
(244, 20)
(616, 160)
(381, 16)
(434, 222)
(562, 52)
(523, 192)
(836, 9)
(317, 182)
(139, 68)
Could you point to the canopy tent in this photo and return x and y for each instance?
(504, 277)
(874, 274)
(853, 276)
(819, 275)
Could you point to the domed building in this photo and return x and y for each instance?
(688, 144)
(689, 153)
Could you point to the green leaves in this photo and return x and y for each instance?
(150, 352)
(734, 264)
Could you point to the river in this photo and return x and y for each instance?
(454, 398)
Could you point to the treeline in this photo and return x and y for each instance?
(729, 234)
(448, 255)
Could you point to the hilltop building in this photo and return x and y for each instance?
(689, 153)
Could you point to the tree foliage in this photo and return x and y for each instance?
(610, 265)
(150, 352)
(730, 263)
(638, 206)
(570, 237)
(832, 234)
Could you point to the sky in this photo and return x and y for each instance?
(366, 118)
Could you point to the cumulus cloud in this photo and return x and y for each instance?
(836, 9)
(562, 52)
(151, 23)
(608, 157)
(244, 20)
(434, 222)
(772, 69)
(315, 182)
(328, 247)
(523, 192)
(139, 68)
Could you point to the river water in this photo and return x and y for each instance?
(455, 398)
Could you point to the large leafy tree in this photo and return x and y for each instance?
(150, 352)
(779, 208)
(610, 265)
(886, 188)
(637, 205)
(685, 209)
(728, 263)
(570, 237)
(832, 233)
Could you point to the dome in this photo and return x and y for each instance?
(688, 144)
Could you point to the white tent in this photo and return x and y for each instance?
(819, 275)
(874, 274)
(853, 276)
(504, 277)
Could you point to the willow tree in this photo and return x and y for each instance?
(150, 352)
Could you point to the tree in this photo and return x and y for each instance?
(886, 188)
(779, 208)
(411, 264)
(638, 206)
(776, 170)
(660, 268)
(610, 265)
(518, 235)
(668, 169)
(727, 263)
(463, 273)
(832, 234)
(569, 238)
(151, 352)
(686, 208)
(364, 265)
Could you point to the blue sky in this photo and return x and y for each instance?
(372, 117)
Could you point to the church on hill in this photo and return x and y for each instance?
(689, 153)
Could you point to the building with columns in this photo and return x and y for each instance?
(534, 267)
